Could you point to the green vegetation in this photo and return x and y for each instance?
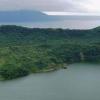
(29, 50)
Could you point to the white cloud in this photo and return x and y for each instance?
(92, 5)
(31, 4)
(52, 5)
(70, 13)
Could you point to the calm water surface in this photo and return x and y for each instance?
(78, 82)
(72, 24)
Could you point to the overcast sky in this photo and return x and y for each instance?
(52, 5)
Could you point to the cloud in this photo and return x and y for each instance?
(52, 5)
(30, 4)
(70, 14)
(48, 5)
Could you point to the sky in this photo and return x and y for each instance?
(80, 6)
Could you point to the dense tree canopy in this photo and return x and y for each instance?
(28, 50)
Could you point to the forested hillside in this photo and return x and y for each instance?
(29, 50)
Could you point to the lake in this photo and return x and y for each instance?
(72, 24)
(78, 82)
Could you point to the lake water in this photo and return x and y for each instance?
(78, 82)
(72, 24)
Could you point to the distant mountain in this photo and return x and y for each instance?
(24, 16)
(36, 16)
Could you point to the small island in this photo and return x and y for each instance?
(32, 50)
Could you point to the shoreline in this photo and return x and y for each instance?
(52, 69)
(47, 70)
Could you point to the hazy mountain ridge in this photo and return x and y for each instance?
(36, 16)
(23, 16)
